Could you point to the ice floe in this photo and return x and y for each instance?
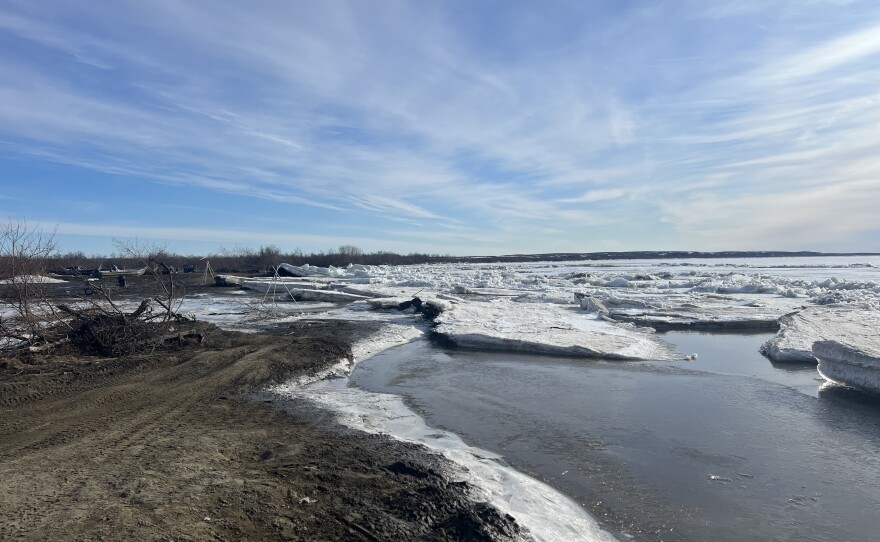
(844, 339)
(705, 312)
(545, 329)
(280, 284)
(378, 290)
(307, 270)
(798, 331)
(752, 294)
(228, 280)
(855, 364)
(848, 351)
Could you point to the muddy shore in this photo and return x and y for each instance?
(167, 446)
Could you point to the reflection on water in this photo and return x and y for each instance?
(737, 354)
(846, 396)
(727, 447)
(794, 367)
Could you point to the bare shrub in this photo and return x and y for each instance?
(154, 258)
(33, 318)
(25, 316)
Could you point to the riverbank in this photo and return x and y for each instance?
(167, 445)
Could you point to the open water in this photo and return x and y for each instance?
(727, 447)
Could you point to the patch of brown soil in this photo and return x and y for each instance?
(166, 447)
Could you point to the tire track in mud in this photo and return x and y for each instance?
(111, 414)
(100, 407)
(75, 380)
(164, 447)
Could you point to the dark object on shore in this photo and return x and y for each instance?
(120, 280)
(190, 268)
(428, 310)
(227, 280)
(79, 271)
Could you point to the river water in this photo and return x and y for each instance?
(727, 447)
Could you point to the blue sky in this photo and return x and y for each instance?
(464, 127)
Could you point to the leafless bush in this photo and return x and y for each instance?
(24, 252)
(153, 257)
(33, 318)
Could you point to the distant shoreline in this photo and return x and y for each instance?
(655, 255)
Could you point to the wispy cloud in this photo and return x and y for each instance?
(451, 119)
(596, 195)
(221, 237)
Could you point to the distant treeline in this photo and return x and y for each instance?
(243, 260)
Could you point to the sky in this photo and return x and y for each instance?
(470, 127)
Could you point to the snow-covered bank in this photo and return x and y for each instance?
(389, 335)
(32, 279)
(546, 514)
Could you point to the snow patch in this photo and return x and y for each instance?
(32, 279)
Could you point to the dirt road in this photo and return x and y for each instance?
(167, 447)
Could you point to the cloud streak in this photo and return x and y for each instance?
(447, 118)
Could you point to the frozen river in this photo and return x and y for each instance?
(555, 369)
(728, 447)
